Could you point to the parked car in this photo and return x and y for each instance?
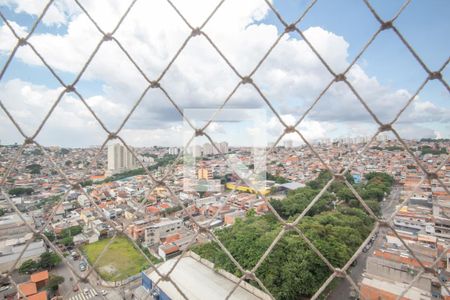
(104, 293)
(367, 247)
(83, 266)
(75, 255)
(4, 288)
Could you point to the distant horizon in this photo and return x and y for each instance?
(280, 144)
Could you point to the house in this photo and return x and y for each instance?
(230, 218)
(87, 215)
(168, 251)
(83, 201)
(38, 296)
(40, 278)
(155, 232)
(24, 290)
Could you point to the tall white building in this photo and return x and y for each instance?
(223, 147)
(288, 144)
(174, 150)
(208, 149)
(120, 159)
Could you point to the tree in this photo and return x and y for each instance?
(345, 194)
(292, 270)
(28, 266)
(86, 183)
(71, 231)
(64, 151)
(49, 260)
(34, 168)
(36, 152)
(299, 199)
(50, 235)
(373, 192)
(2, 212)
(276, 178)
(20, 191)
(54, 281)
(67, 241)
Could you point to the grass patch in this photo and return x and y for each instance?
(120, 261)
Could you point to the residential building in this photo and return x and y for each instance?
(155, 232)
(120, 159)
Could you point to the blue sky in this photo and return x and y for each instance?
(424, 24)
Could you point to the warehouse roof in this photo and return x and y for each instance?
(198, 281)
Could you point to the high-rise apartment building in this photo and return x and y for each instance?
(288, 144)
(174, 150)
(223, 147)
(120, 159)
(208, 149)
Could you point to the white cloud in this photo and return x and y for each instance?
(291, 77)
(57, 14)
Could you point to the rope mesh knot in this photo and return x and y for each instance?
(196, 32)
(290, 28)
(199, 132)
(339, 177)
(70, 88)
(249, 275)
(340, 77)
(386, 25)
(247, 80)
(339, 273)
(432, 175)
(76, 186)
(435, 75)
(28, 140)
(112, 136)
(22, 42)
(385, 127)
(289, 129)
(155, 84)
(107, 37)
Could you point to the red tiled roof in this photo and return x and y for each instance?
(39, 296)
(27, 288)
(172, 249)
(152, 209)
(172, 238)
(39, 276)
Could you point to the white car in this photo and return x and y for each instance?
(4, 288)
(104, 293)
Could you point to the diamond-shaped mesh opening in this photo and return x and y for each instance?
(349, 15)
(158, 196)
(427, 23)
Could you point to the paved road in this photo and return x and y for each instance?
(342, 291)
(86, 290)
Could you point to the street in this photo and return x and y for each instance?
(86, 290)
(343, 289)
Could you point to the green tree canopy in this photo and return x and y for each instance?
(49, 260)
(28, 266)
